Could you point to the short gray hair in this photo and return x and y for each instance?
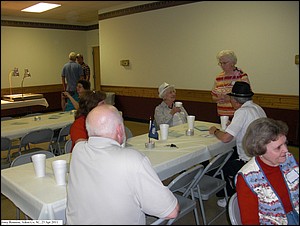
(228, 54)
(261, 132)
(241, 100)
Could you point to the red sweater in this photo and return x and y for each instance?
(78, 130)
(247, 200)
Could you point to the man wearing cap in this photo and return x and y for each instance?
(166, 112)
(246, 111)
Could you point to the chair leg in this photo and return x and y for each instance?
(201, 206)
(18, 213)
(196, 216)
(195, 210)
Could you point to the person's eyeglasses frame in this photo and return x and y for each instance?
(223, 63)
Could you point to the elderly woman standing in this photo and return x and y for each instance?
(225, 81)
(268, 185)
(166, 112)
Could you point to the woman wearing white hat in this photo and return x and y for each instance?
(166, 112)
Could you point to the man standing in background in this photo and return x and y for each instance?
(85, 67)
(71, 73)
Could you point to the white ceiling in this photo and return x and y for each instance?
(70, 12)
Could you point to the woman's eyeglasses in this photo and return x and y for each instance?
(222, 63)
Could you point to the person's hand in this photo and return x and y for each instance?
(212, 130)
(228, 122)
(65, 94)
(175, 110)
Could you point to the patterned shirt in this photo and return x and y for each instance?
(86, 71)
(223, 85)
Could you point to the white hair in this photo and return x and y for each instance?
(229, 54)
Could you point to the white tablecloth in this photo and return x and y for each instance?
(42, 199)
(16, 128)
(190, 150)
(24, 103)
(38, 197)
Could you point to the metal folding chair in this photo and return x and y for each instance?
(205, 186)
(68, 146)
(6, 145)
(234, 210)
(36, 137)
(128, 133)
(26, 158)
(61, 139)
(184, 182)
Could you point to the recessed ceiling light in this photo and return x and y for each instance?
(40, 7)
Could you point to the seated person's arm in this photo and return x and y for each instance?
(80, 139)
(174, 213)
(223, 136)
(73, 101)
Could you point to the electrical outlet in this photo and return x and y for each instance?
(124, 63)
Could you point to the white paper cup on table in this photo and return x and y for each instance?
(191, 121)
(164, 131)
(39, 164)
(178, 104)
(60, 171)
(224, 120)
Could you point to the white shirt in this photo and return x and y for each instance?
(112, 185)
(242, 117)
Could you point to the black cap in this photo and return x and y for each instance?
(241, 89)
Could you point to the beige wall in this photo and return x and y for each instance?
(43, 52)
(179, 45)
(176, 44)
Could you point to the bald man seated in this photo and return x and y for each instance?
(112, 185)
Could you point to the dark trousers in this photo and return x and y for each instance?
(230, 169)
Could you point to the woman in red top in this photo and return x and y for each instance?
(87, 102)
(268, 185)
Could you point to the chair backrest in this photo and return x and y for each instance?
(234, 210)
(68, 146)
(62, 138)
(185, 179)
(128, 132)
(64, 132)
(215, 164)
(218, 162)
(182, 182)
(5, 144)
(37, 137)
(26, 158)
